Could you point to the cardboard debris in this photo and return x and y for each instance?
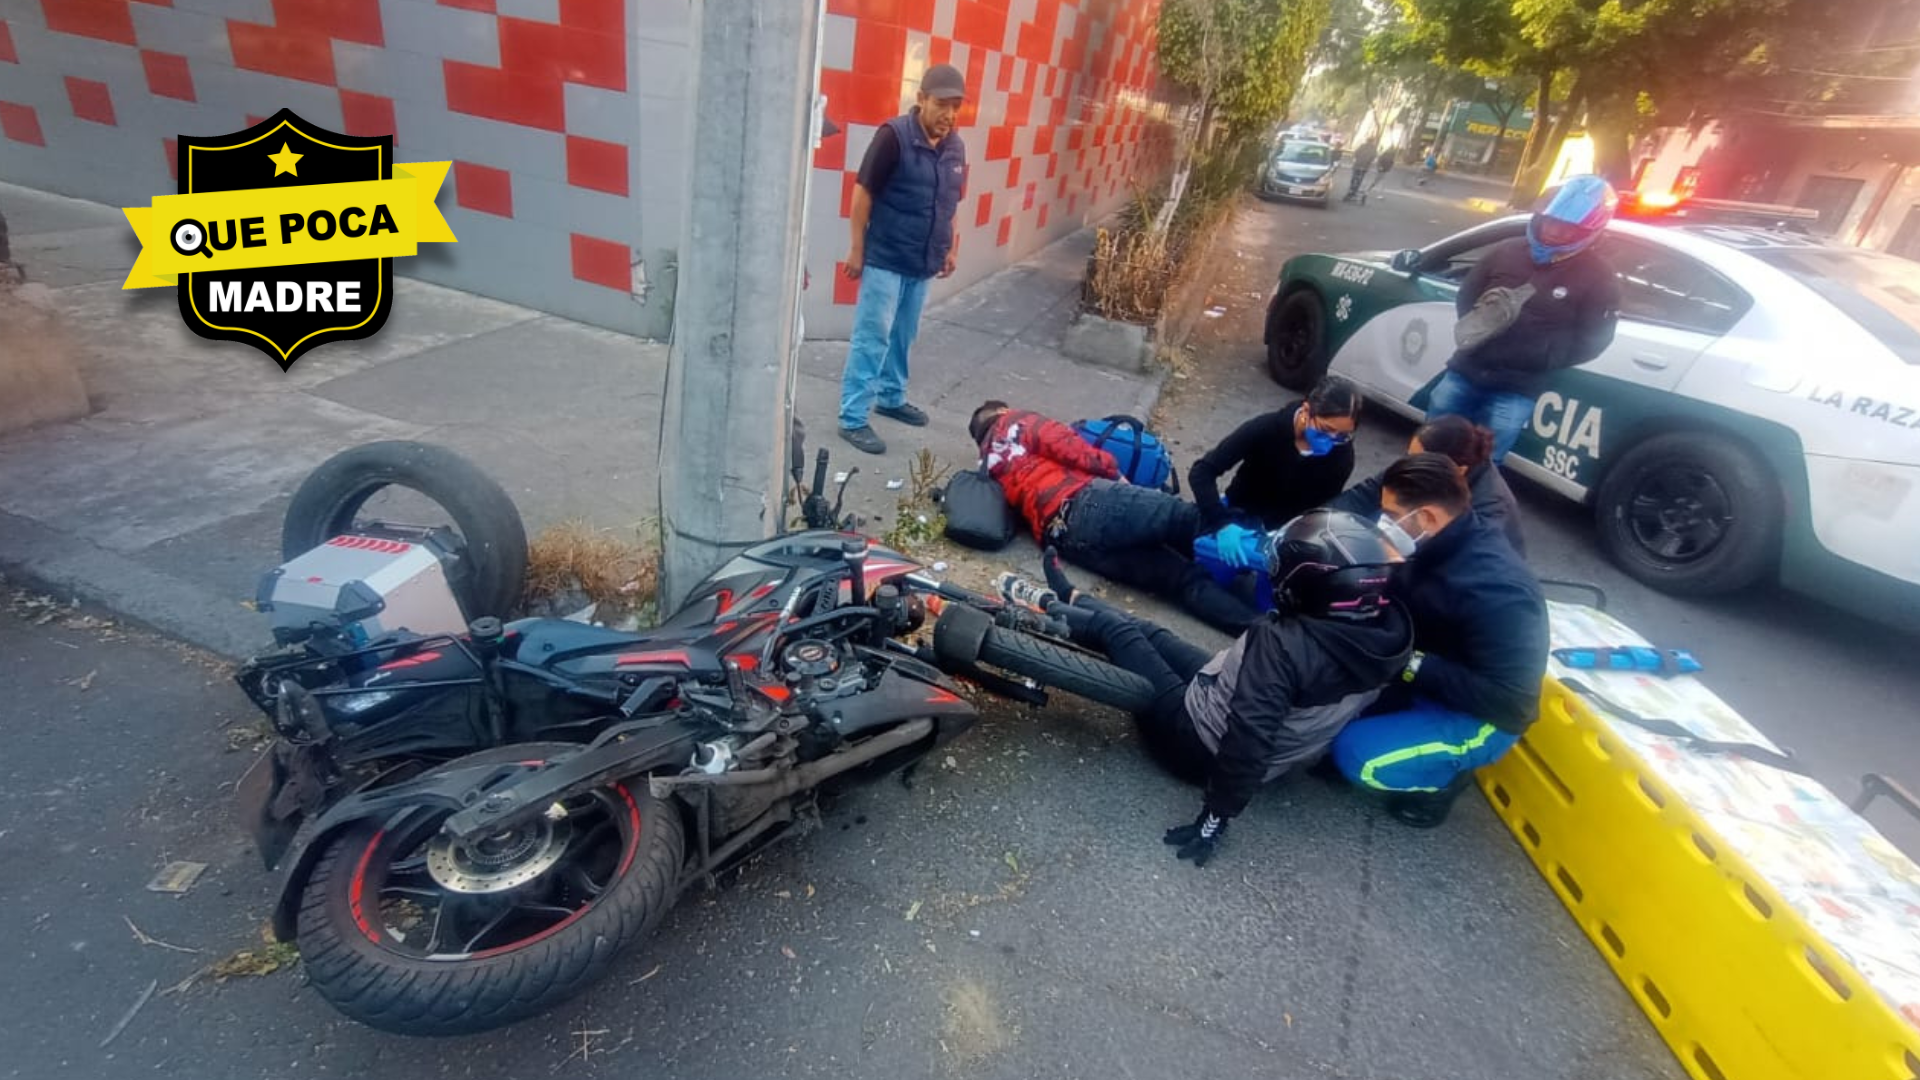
(176, 877)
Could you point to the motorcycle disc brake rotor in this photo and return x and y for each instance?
(502, 861)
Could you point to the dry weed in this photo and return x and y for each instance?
(615, 569)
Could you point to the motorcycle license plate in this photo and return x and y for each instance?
(255, 794)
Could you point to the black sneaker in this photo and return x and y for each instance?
(1425, 809)
(864, 439)
(1326, 769)
(904, 413)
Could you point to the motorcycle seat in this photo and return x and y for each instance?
(546, 642)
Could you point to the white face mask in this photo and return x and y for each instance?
(1398, 537)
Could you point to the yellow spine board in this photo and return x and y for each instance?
(1733, 979)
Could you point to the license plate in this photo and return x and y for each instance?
(1293, 190)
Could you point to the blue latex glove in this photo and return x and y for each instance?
(1238, 545)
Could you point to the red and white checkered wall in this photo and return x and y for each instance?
(1062, 114)
(567, 120)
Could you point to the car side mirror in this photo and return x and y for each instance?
(1407, 261)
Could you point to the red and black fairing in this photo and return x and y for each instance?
(766, 577)
(559, 676)
(730, 618)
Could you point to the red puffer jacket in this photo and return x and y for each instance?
(1041, 463)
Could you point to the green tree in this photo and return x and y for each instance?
(1242, 60)
(1622, 66)
(1343, 85)
(1643, 63)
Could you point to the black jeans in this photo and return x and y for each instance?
(1144, 538)
(1165, 660)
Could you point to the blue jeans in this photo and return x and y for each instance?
(1503, 413)
(1425, 748)
(885, 322)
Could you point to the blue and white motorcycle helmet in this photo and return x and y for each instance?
(1573, 218)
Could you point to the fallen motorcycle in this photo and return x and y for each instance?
(473, 818)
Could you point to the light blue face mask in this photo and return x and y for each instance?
(1397, 537)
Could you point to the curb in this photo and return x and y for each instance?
(66, 565)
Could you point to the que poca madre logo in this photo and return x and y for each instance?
(283, 236)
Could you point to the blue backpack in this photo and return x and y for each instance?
(1142, 458)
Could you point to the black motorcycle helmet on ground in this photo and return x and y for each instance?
(1330, 564)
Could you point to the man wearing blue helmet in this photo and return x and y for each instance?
(1531, 307)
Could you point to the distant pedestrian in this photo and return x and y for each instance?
(1381, 167)
(1430, 166)
(1363, 156)
(904, 234)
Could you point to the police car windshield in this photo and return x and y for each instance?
(1880, 292)
(1306, 154)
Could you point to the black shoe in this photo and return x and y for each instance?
(1056, 577)
(864, 439)
(904, 413)
(1423, 809)
(1326, 769)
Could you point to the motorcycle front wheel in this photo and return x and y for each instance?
(413, 934)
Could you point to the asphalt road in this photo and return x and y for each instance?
(1837, 689)
(1012, 914)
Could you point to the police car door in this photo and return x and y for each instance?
(1672, 309)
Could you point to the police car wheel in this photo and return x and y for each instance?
(1297, 341)
(1690, 514)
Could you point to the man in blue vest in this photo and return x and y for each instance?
(904, 234)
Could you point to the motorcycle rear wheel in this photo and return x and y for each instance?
(1066, 669)
(490, 958)
(492, 574)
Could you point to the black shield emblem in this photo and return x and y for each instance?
(283, 151)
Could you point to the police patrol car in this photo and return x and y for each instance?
(1757, 414)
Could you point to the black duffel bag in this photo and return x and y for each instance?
(978, 514)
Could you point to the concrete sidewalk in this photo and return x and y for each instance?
(166, 502)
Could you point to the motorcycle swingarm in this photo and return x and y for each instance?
(593, 767)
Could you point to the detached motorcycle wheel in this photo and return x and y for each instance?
(1065, 669)
(493, 563)
(411, 934)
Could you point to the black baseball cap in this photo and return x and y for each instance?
(943, 81)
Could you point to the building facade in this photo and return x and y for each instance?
(568, 121)
(1854, 160)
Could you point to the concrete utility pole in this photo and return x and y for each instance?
(723, 439)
